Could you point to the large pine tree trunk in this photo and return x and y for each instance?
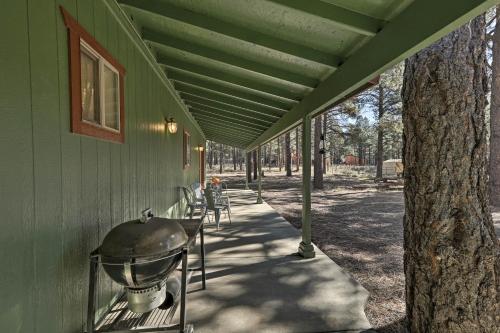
(288, 155)
(495, 117)
(380, 131)
(318, 161)
(451, 250)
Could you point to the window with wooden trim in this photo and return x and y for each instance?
(96, 80)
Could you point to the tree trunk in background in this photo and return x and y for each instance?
(495, 117)
(279, 154)
(325, 119)
(360, 154)
(380, 132)
(221, 158)
(240, 159)
(254, 154)
(211, 156)
(297, 153)
(452, 261)
(288, 155)
(318, 161)
(234, 159)
(263, 159)
(270, 159)
(248, 167)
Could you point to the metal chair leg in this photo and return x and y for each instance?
(217, 217)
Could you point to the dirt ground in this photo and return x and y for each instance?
(358, 224)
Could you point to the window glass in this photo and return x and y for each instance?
(89, 85)
(111, 102)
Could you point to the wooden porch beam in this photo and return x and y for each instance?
(226, 76)
(235, 31)
(231, 90)
(273, 116)
(343, 18)
(201, 97)
(227, 58)
(227, 124)
(231, 118)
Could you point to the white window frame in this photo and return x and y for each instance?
(100, 82)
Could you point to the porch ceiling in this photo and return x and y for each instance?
(248, 70)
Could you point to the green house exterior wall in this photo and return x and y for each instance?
(60, 193)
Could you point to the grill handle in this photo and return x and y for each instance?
(146, 215)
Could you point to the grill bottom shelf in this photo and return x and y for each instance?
(120, 319)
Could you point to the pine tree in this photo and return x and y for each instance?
(452, 255)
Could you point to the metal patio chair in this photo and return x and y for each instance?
(194, 203)
(215, 205)
(222, 195)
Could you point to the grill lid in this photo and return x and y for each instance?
(136, 239)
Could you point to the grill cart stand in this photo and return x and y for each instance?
(120, 319)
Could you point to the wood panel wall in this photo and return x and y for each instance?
(60, 193)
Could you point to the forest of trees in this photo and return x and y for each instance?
(365, 130)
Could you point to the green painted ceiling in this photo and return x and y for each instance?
(250, 69)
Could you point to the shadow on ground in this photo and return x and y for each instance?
(358, 224)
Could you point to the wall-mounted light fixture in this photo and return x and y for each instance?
(171, 125)
(201, 148)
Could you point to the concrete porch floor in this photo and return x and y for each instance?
(255, 283)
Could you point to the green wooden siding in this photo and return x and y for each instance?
(61, 193)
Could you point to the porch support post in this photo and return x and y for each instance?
(306, 248)
(259, 179)
(247, 167)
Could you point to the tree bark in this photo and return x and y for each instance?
(288, 155)
(270, 159)
(240, 159)
(495, 116)
(221, 158)
(318, 161)
(380, 132)
(254, 164)
(325, 119)
(248, 167)
(451, 255)
(234, 159)
(211, 156)
(279, 153)
(263, 159)
(297, 144)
